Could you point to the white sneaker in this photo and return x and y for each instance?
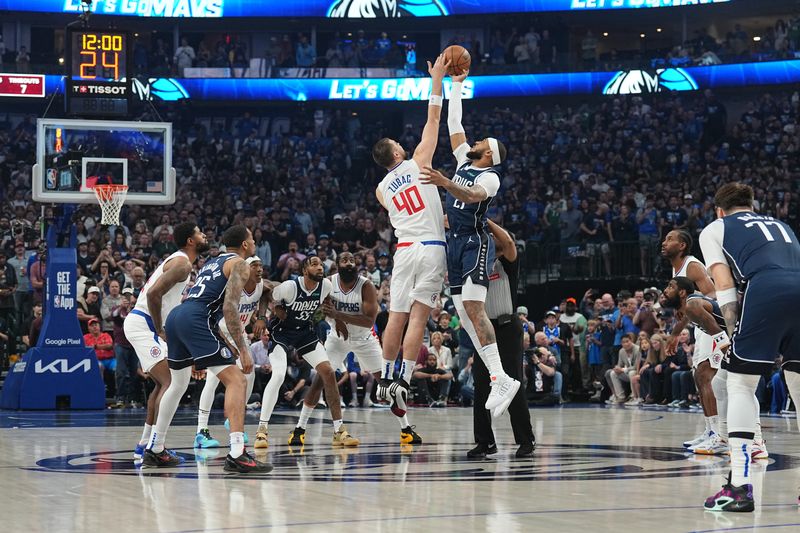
(353, 403)
(341, 403)
(713, 446)
(368, 402)
(504, 388)
(759, 449)
(697, 440)
(633, 402)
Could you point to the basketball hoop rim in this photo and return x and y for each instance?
(106, 191)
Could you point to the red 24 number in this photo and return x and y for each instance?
(410, 201)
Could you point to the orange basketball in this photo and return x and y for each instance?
(459, 59)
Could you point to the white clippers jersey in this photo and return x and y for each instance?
(415, 210)
(172, 298)
(248, 304)
(350, 303)
(688, 260)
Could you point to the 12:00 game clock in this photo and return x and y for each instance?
(98, 81)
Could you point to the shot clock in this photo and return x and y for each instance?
(98, 77)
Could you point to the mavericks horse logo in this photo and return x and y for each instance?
(644, 82)
(371, 9)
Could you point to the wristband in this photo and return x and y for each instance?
(435, 99)
(720, 339)
(262, 317)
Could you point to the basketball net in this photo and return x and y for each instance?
(110, 198)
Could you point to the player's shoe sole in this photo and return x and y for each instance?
(505, 394)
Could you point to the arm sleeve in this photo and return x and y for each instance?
(454, 110)
(461, 153)
(711, 240)
(490, 182)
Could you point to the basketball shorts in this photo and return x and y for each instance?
(305, 341)
(417, 275)
(469, 257)
(193, 339)
(702, 350)
(368, 351)
(141, 333)
(767, 325)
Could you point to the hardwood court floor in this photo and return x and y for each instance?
(595, 469)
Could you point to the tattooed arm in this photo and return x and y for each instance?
(238, 276)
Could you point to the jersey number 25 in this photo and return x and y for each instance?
(410, 201)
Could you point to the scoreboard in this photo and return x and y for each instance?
(98, 73)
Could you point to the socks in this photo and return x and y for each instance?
(757, 435)
(407, 370)
(712, 423)
(146, 434)
(740, 461)
(237, 444)
(305, 414)
(202, 419)
(793, 384)
(157, 441)
(262, 426)
(337, 425)
(491, 358)
(403, 421)
(387, 370)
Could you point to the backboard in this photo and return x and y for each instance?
(74, 155)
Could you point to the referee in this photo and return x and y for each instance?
(500, 304)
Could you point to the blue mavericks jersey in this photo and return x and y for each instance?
(300, 312)
(465, 219)
(756, 243)
(209, 287)
(716, 312)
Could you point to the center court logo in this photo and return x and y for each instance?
(648, 82)
(382, 463)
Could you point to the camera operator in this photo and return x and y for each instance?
(645, 317)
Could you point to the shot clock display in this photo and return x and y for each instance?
(97, 73)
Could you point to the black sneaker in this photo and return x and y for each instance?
(409, 436)
(525, 450)
(163, 459)
(297, 437)
(732, 499)
(481, 451)
(245, 464)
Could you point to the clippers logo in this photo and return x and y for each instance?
(644, 82)
(371, 9)
(155, 352)
(165, 89)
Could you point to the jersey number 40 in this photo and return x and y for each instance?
(409, 201)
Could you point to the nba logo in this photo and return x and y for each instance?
(56, 301)
(50, 182)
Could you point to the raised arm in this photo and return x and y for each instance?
(423, 155)
(457, 136)
(239, 274)
(177, 270)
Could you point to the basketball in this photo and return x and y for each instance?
(459, 59)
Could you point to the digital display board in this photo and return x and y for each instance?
(97, 73)
(634, 81)
(23, 85)
(356, 9)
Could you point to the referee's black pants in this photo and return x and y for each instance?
(510, 345)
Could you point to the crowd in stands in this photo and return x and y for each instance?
(538, 47)
(584, 179)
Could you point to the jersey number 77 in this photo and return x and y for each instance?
(409, 201)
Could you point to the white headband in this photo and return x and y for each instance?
(493, 146)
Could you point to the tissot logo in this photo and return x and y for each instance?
(103, 89)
